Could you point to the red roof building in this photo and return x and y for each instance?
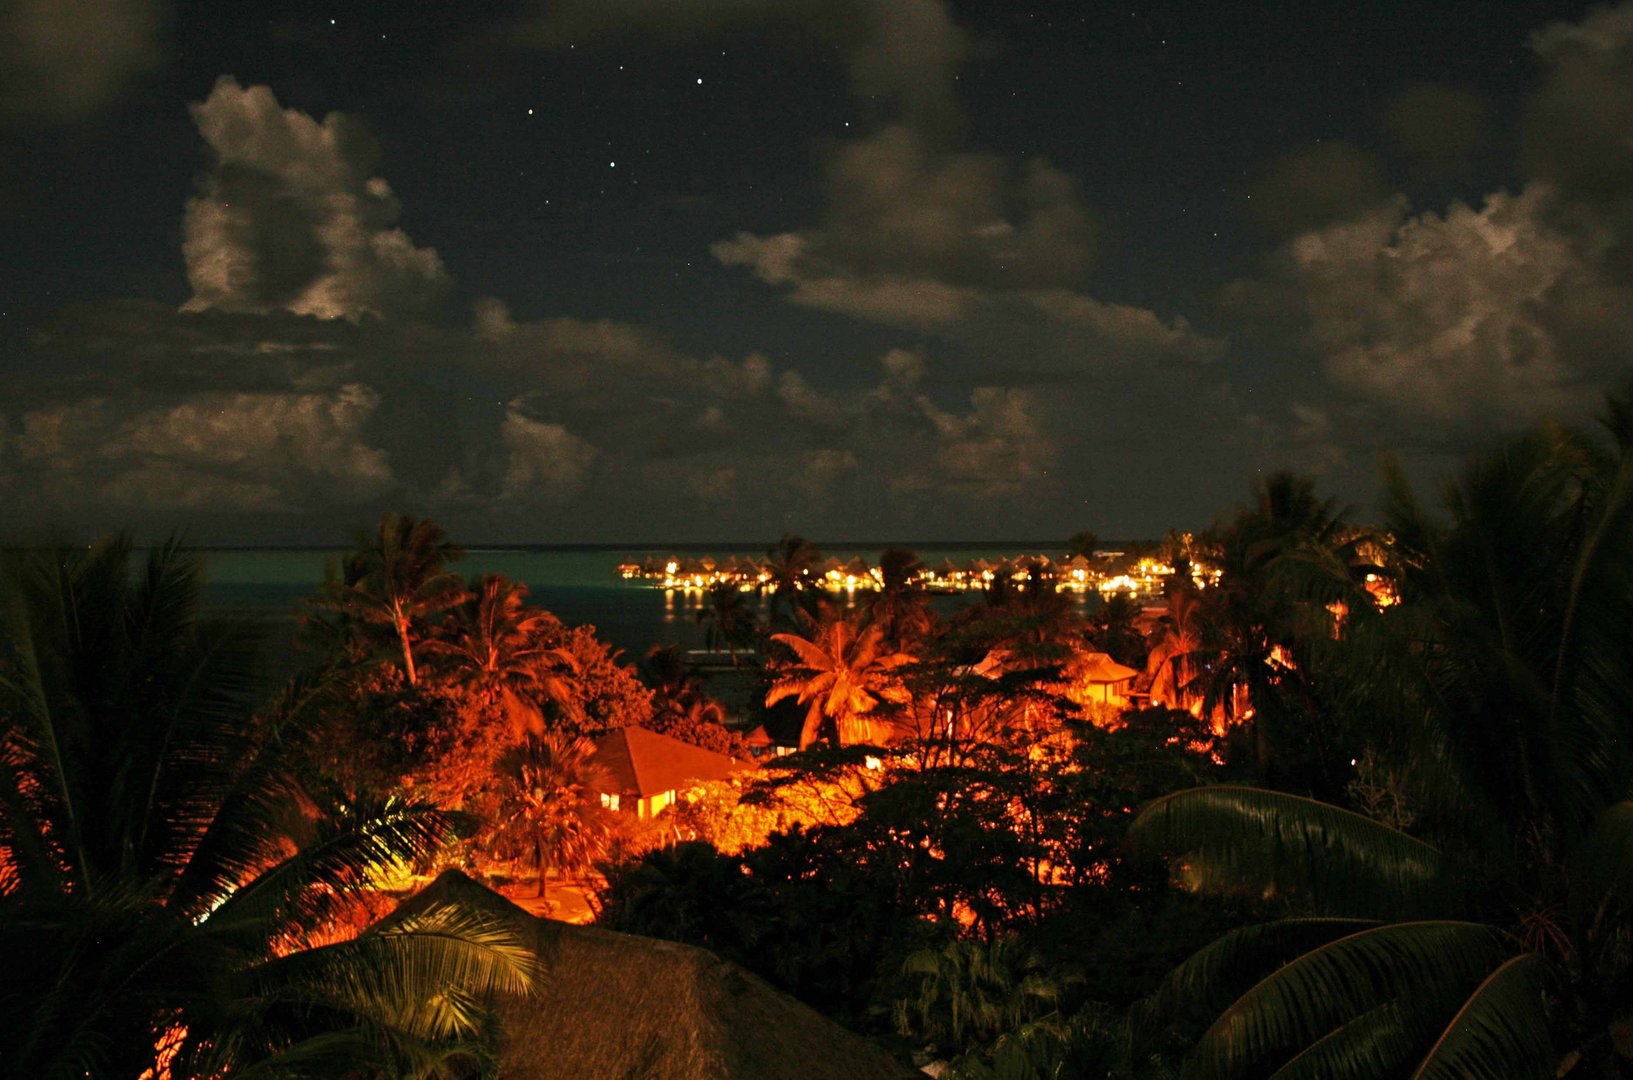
(649, 770)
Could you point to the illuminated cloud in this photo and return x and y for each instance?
(290, 217)
(546, 461)
(264, 452)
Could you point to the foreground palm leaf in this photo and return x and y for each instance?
(164, 879)
(1502, 696)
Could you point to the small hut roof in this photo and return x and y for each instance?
(644, 763)
(759, 737)
(1100, 668)
(612, 1005)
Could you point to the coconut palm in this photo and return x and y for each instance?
(842, 673)
(727, 620)
(1499, 942)
(164, 879)
(898, 607)
(395, 580)
(551, 790)
(499, 649)
(1284, 558)
(1177, 641)
(791, 565)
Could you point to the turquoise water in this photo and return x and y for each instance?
(580, 584)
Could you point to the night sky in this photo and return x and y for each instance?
(693, 270)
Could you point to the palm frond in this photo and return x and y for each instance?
(1372, 1044)
(1420, 965)
(1242, 838)
(1501, 1031)
(1220, 972)
(302, 891)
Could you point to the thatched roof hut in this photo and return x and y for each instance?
(619, 1006)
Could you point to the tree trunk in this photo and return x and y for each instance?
(408, 652)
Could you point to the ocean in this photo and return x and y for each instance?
(579, 584)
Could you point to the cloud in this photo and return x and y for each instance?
(1458, 319)
(1575, 130)
(213, 452)
(546, 462)
(900, 54)
(1315, 185)
(62, 63)
(289, 217)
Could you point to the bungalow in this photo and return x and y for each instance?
(647, 771)
(1102, 679)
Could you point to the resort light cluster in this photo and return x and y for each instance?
(1107, 573)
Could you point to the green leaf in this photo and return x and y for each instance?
(1501, 1032)
(1417, 965)
(1272, 843)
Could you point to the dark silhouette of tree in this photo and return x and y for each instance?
(1495, 942)
(899, 607)
(1082, 543)
(792, 564)
(396, 580)
(165, 878)
(727, 619)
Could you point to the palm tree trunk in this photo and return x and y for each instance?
(408, 652)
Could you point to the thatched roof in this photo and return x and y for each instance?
(644, 763)
(618, 1006)
(1099, 667)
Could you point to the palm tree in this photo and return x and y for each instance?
(552, 802)
(842, 673)
(1177, 641)
(968, 993)
(498, 649)
(1497, 943)
(792, 564)
(163, 876)
(726, 618)
(898, 607)
(1283, 559)
(396, 579)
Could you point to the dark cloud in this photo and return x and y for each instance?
(1575, 133)
(61, 63)
(1315, 186)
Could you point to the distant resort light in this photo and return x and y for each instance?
(1116, 573)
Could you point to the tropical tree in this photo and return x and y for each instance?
(842, 673)
(791, 565)
(961, 997)
(171, 897)
(727, 620)
(1499, 940)
(499, 650)
(1083, 543)
(1175, 660)
(395, 580)
(898, 606)
(552, 813)
(1287, 560)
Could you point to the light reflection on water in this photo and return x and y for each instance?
(580, 585)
